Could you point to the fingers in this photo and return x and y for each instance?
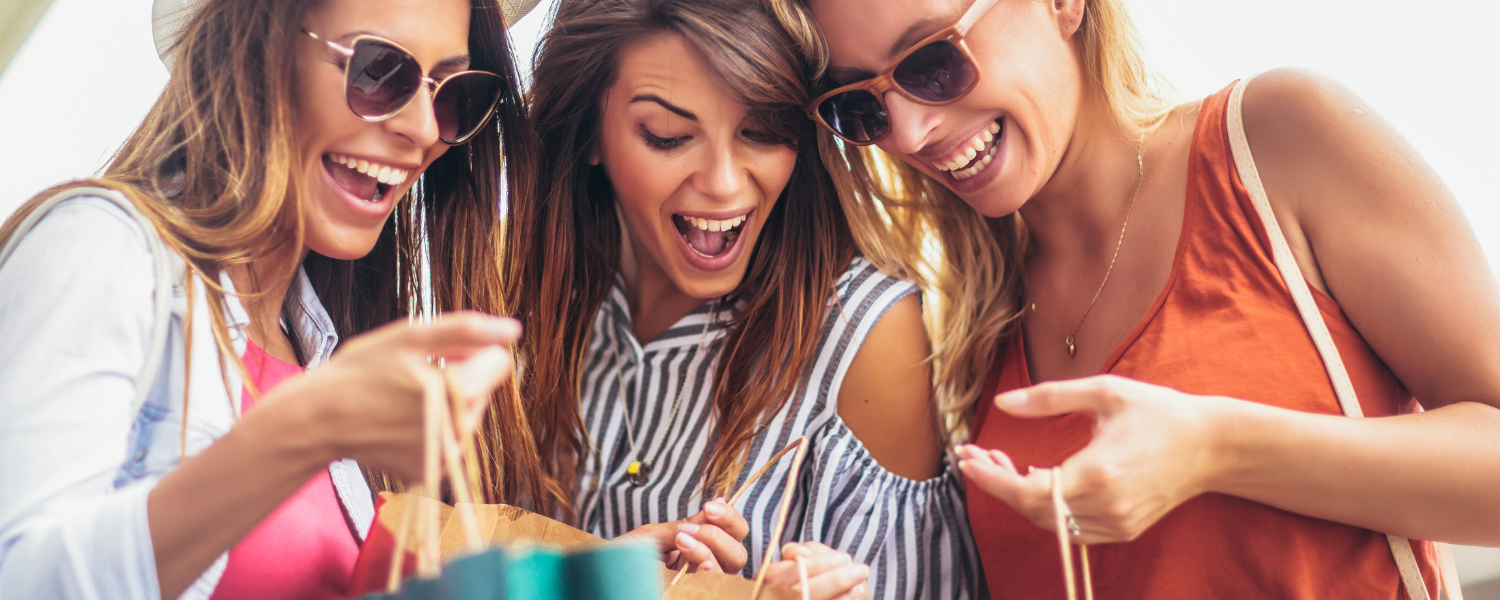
(458, 334)
(1090, 394)
(473, 379)
(708, 547)
(830, 574)
(694, 552)
(725, 517)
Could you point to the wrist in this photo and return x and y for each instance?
(290, 426)
(1227, 425)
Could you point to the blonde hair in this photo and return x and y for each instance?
(970, 266)
(214, 167)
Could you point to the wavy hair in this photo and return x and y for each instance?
(563, 244)
(214, 167)
(970, 266)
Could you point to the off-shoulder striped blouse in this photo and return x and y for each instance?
(914, 535)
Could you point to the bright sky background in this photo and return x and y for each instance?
(89, 72)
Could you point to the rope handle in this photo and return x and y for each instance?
(800, 445)
(1065, 525)
(444, 453)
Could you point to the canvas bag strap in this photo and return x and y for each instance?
(1343, 387)
(161, 324)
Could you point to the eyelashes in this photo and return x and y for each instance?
(667, 144)
(660, 143)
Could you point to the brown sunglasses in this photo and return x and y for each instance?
(937, 70)
(381, 79)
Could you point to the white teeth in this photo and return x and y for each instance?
(976, 147)
(383, 173)
(975, 169)
(712, 225)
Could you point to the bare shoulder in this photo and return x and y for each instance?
(886, 396)
(1372, 225)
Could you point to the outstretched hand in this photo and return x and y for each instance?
(1153, 449)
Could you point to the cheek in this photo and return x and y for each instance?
(642, 183)
(772, 171)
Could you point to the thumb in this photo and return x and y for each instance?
(1054, 398)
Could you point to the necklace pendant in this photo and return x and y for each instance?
(638, 473)
(1072, 349)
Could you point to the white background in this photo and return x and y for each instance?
(89, 72)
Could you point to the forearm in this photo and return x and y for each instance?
(206, 505)
(1432, 475)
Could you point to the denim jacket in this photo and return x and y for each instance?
(76, 461)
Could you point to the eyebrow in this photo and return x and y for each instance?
(910, 36)
(678, 110)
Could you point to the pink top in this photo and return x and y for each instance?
(305, 549)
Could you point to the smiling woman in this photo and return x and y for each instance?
(303, 160)
(1179, 305)
(695, 298)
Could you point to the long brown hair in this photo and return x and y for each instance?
(563, 244)
(214, 166)
(971, 267)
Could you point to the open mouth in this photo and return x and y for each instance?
(973, 157)
(709, 238)
(363, 179)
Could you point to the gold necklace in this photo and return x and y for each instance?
(1140, 163)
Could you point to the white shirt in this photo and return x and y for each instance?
(76, 461)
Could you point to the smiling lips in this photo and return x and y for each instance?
(973, 156)
(362, 178)
(709, 238)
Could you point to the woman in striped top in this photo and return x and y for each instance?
(694, 300)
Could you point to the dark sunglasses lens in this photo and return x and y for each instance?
(856, 115)
(382, 78)
(937, 72)
(464, 103)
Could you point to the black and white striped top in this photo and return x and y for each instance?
(914, 535)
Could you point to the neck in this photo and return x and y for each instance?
(262, 287)
(655, 301)
(1077, 214)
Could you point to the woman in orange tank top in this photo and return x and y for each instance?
(1112, 269)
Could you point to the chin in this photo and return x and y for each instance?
(351, 247)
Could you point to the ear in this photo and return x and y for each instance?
(1069, 14)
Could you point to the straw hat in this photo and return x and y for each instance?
(169, 16)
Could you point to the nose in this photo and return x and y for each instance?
(911, 125)
(723, 175)
(417, 122)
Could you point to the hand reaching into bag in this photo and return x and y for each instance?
(831, 575)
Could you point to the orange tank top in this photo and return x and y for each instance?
(1223, 325)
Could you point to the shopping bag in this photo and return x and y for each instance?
(475, 551)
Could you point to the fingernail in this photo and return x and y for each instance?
(1011, 399)
(688, 528)
(686, 541)
(963, 465)
(860, 571)
(714, 509)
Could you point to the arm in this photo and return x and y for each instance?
(75, 311)
(886, 395)
(885, 520)
(1374, 227)
(365, 404)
